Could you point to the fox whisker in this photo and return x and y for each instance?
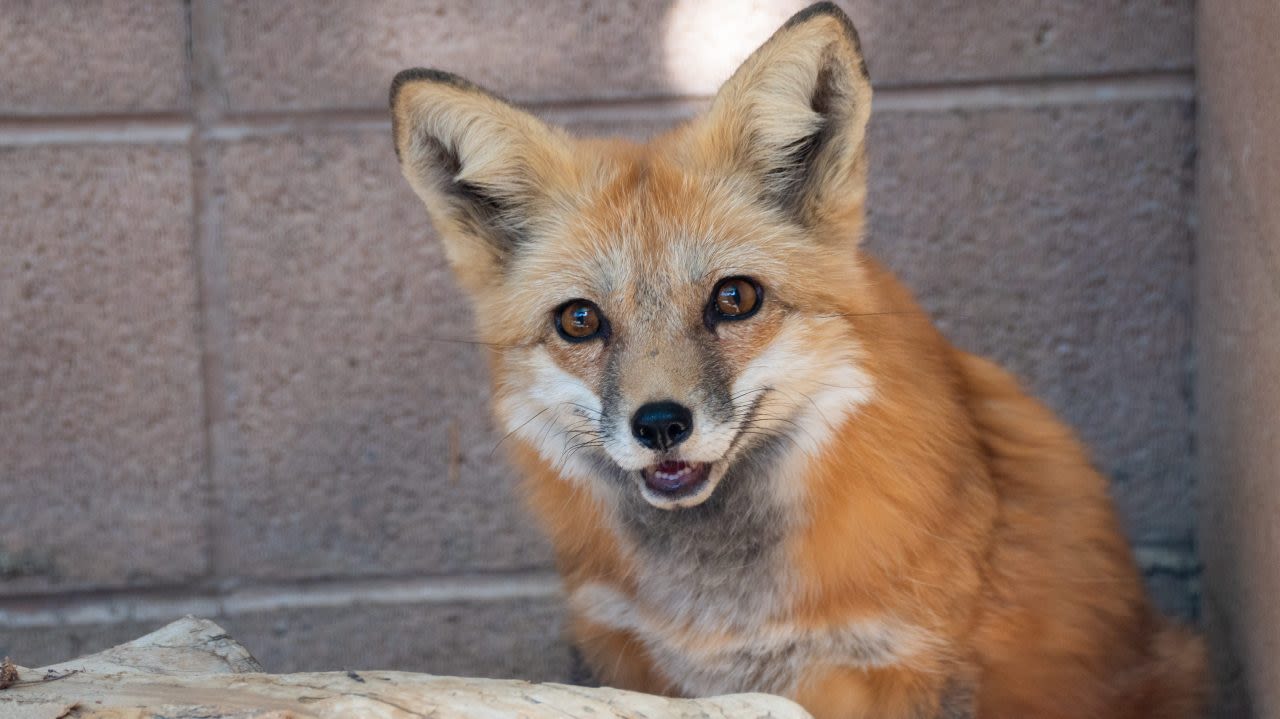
(517, 429)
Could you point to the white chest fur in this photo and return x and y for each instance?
(771, 656)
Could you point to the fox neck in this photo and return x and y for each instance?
(721, 564)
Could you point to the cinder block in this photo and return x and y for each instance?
(1229, 680)
(1176, 596)
(514, 638)
(64, 56)
(1238, 346)
(100, 399)
(360, 435)
(517, 638)
(561, 50)
(41, 646)
(1056, 241)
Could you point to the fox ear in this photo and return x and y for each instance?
(483, 168)
(793, 118)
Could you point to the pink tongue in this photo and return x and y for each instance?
(670, 476)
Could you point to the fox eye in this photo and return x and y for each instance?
(580, 320)
(735, 298)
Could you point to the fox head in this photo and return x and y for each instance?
(663, 315)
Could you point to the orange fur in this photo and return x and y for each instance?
(943, 545)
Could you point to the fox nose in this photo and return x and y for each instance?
(662, 425)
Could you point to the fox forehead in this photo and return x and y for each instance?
(648, 235)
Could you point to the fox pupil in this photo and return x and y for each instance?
(578, 320)
(731, 300)
(736, 298)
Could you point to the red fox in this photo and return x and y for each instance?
(761, 466)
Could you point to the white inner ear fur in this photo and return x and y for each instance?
(778, 108)
(497, 146)
(792, 121)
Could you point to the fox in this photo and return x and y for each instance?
(761, 466)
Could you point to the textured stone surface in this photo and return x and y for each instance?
(1176, 595)
(101, 449)
(111, 56)
(361, 438)
(515, 638)
(1231, 692)
(500, 639)
(565, 50)
(1238, 336)
(40, 646)
(1055, 240)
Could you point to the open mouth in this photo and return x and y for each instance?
(674, 479)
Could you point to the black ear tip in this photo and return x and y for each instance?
(830, 9)
(816, 9)
(424, 74)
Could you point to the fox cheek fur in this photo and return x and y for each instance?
(816, 495)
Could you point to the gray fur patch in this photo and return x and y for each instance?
(959, 700)
(716, 565)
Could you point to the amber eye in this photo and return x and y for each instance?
(579, 321)
(736, 298)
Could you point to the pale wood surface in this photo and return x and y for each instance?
(192, 669)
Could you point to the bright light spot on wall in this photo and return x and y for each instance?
(706, 40)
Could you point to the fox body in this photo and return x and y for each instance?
(762, 467)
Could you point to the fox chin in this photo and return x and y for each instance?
(761, 466)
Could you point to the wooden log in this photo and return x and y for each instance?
(191, 669)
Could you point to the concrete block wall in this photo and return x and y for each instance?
(1237, 322)
(230, 376)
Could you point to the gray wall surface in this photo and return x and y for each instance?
(227, 385)
(1238, 334)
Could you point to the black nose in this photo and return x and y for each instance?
(662, 425)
